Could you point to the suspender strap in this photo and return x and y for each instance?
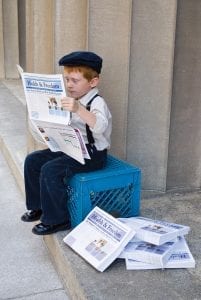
(89, 133)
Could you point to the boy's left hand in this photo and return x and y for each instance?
(70, 104)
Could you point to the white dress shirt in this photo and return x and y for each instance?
(103, 126)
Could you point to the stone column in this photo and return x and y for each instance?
(39, 35)
(10, 38)
(38, 43)
(151, 65)
(53, 28)
(70, 29)
(184, 164)
(2, 73)
(109, 36)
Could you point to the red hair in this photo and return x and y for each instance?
(87, 72)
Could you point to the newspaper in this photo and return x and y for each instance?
(43, 96)
(149, 253)
(155, 231)
(180, 258)
(99, 239)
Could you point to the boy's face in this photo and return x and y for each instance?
(77, 85)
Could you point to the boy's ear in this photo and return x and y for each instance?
(94, 82)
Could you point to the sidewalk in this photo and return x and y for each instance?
(22, 249)
(26, 268)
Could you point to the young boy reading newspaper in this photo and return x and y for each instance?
(44, 170)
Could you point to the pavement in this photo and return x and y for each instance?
(27, 271)
(33, 267)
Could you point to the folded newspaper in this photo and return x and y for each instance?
(43, 95)
(181, 257)
(155, 231)
(99, 239)
(149, 253)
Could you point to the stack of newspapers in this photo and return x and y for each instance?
(156, 245)
(143, 243)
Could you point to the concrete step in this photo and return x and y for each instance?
(84, 282)
(80, 279)
(14, 151)
(27, 270)
(13, 128)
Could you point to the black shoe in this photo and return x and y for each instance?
(31, 215)
(43, 229)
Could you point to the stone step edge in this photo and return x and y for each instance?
(13, 164)
(64, 268)
(62, 265)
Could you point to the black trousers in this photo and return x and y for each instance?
(45, 187)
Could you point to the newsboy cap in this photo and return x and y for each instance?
(82, 58)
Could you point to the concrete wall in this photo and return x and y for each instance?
(70, 28)
(150, 88)
(10, 38)
(150, 78)
(39, 36)
(22, 33)
(2, 68)
(109, 35)
(184, 167)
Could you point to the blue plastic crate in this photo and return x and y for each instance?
(115, 189)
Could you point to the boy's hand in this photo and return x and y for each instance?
(70, 104)
(73, 105)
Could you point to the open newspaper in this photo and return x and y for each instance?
(99, 239)
(43, 96)
(155, 231)
(181, 257)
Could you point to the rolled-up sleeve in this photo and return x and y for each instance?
(101, 122)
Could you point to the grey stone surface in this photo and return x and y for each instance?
(16, 88)
(52, 295)
(13, 136)
(10, 37)
(117, 282)
(184, 168)
(12, 114)
(150, 84)
(151, 73)
(26, 268)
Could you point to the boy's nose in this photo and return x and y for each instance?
(69, 84)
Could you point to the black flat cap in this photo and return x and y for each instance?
(82, 58)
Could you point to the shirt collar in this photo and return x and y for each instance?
(86, 98)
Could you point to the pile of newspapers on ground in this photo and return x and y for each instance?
(143, 243)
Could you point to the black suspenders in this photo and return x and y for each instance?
(89, 133)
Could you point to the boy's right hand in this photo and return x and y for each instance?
(70, 104)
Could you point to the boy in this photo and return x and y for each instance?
(44, 171)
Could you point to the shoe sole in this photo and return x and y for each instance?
(28, 220)
(66, 227)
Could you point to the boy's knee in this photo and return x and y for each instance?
(33, 161)
(47, 171)
(29, 160)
